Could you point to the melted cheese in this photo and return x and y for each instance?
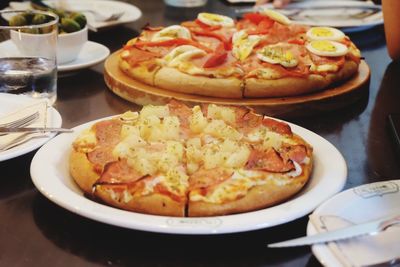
(171, 32)
(182, 54)
(243, 44)
(86, 141)
(266, 73)
(219, 129)
(324, 68)
(175, 180)
(238, 186)
(150, 110)
(233, 188)
(268, 138)
(226, 114)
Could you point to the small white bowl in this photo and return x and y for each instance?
(70, 44)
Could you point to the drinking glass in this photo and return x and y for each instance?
(28, 63)
(186, 3)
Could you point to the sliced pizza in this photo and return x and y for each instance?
(179, 161)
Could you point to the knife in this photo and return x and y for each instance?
(33, 130)
(368, 228)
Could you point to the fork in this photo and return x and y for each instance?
(21, 121)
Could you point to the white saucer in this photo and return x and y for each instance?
(91, 54)
(357, 205)
(10, 103)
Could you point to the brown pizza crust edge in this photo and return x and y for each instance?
(140, 72)
(81, 170)
(293, 86)
(156, 204)
(174, 80)
(258, 197)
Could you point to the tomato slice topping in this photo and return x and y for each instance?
(254, 17)
(206, 26)
(263, 27)
(297, 41)
(215, 60)
(215, 35)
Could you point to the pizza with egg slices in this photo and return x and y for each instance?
(260, 55)
(178, 161)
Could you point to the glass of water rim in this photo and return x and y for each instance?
(186, 3)
(28, 54)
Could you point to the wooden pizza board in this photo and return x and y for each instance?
(284, 107)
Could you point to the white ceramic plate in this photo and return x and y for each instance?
(10, 103)
(91, 54)
(131, 12)
(343, 14)
(357, 205)
(49, 172)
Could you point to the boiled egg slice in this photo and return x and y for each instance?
(243, 44)
(324, 33)
(183, 53)
(278, 17)
(277, 55)
(171, 32)
(215, 20)
(327, 48)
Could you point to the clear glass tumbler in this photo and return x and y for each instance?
(28, 50)
(186, 3)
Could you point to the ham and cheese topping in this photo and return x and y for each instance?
(216, 152)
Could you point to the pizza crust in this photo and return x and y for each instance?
(81, 170)
(175, 80)
(258, 197)
(292, 86)
(156, 204)
(142, 72)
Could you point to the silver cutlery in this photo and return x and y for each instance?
(368, 228)
(34, 130)
(390, 263)
(21, 121)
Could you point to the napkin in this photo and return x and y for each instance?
(363, 250)
(14, 139)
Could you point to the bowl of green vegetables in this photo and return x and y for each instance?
(72, 31)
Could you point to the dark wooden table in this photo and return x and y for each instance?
(36, 232)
